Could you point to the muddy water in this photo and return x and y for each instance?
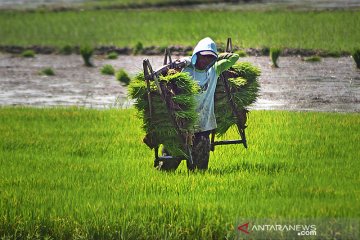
(330, 85)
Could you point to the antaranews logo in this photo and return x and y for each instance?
(244, 228)
(299, 229)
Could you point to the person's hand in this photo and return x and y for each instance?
(174, 64)
(179, 63)
(224, 56)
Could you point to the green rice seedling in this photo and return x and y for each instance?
(274, 55)
(86, 53)
(241, 53)
(28, 53)
(107, 69)
(138, 48)
(47, 71)
(122, 76)
(66, 50)
(159, 125)
(312, 59)
(112, 55)
(244, 87)
(356, 56)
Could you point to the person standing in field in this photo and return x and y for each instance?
(205, 67)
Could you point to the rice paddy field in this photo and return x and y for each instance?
(78, 173)
(325, 30)
(73, 173)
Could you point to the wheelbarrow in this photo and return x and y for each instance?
(153, 75)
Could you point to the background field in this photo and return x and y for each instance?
(331, 31)
(85, 173)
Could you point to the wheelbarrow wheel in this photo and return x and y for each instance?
(200, 152)
(167, 165)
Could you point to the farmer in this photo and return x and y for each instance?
(205, 67)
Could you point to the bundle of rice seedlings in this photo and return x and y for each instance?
(66, 50)
(274, 55)
(356, 56)
(112, 55)
(312, 59)
(170, 123)
(47, 72)
(107, 69)
(86, 53)
(244, 88)
(28, 53)
(122, 76)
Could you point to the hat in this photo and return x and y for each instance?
(203, 53)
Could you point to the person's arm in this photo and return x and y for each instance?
(226, 63)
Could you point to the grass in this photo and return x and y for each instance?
(76, 173)
(309, 30)
(107, 69)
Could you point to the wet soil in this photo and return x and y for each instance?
(330, 85)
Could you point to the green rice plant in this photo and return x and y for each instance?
(76, 173)
(280, 28)
(86, 53)
(138, 48)
(356, 56)
(28, 53)
(244, 87)
(305, 30)
(312, 59)
(66, 50)
(166, 125)
(107, 69)
(112, 55)
(122, 76)
(274, 55)
(47, 71)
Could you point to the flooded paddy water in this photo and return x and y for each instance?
(330, 85)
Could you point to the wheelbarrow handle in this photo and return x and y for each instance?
(178, 64)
